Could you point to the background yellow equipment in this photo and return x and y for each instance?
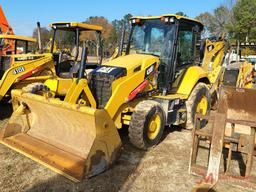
(239, 71)
(157, 82)
(19, 70)
(231, 126)
(22, 66)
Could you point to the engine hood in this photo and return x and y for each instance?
(132, 61)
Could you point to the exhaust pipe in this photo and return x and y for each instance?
(121, 43)
(39, 37)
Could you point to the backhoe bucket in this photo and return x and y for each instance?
(75, 141)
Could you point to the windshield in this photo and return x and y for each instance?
(152, 37)
(65, 39)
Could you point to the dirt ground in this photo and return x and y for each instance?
(163, 168)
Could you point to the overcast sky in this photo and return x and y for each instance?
(23, 14)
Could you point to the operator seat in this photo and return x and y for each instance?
(75, 65)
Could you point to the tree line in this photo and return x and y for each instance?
(111, 33)
(235, 18)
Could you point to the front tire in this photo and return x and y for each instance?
(147, 124)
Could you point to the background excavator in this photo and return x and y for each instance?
(159, 81)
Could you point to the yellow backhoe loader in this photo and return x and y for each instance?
(239, 72)
(23, 66)
(157, 82)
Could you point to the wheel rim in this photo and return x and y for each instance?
(202, 106)
(154, 126)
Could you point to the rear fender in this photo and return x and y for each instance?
(193, 75)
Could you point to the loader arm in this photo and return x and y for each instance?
(76, 89)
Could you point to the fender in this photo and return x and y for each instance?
(192, 76)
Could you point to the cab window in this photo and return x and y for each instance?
(185, 53)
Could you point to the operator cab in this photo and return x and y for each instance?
(13, 45)
(170, 37)
(69, 38)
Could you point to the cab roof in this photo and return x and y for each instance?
(75, 25)
(16, 37)
(169, 15)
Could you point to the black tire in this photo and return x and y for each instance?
(139, 124)
(196, 95)
(36, 88)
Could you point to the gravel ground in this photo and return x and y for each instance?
(163, 168)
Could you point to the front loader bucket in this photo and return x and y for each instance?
(75, 141)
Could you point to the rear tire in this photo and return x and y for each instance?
(147, 124)
(200, 93)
